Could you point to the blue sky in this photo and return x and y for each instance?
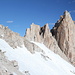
(19, 14)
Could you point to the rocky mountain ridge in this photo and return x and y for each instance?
(60, 39)
(14, 39)
(43, 35)
(64, 33)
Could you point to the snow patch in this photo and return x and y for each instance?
(35, 64)
(14, 73)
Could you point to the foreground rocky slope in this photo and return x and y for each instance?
(8, 67)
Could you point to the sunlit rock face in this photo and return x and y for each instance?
(43, 35)
(64, 33)
(14, 39)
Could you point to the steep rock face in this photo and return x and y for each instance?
(43, 35)
(32, 33)
(64, 32)
(11, 37)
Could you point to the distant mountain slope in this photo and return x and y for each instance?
(45, 62)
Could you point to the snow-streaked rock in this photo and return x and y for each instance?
(6, 66)
(13, 38)
(42, 35)
(35, 64)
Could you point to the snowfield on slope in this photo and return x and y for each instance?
(47, 63)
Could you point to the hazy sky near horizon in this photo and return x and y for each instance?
(19, 14)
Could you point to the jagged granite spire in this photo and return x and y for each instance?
(43, 35)
(64, 33)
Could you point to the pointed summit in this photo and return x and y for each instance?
(66, 12)
(63, 31)
(67, 15)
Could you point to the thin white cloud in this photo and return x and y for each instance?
(71, 11)
(9, 21)
(73, 1)
(51, 23)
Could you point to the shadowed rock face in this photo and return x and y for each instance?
(64, 33)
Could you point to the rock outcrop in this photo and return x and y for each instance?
(64, 33)
(42, 35)
(8, 67)
(31, 46)
(32, 33)
(14, 39)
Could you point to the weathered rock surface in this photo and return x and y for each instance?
(42, 35)
(7, 67)
(31, 46)
(11, 37)
(32, 33)
(64, 33)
